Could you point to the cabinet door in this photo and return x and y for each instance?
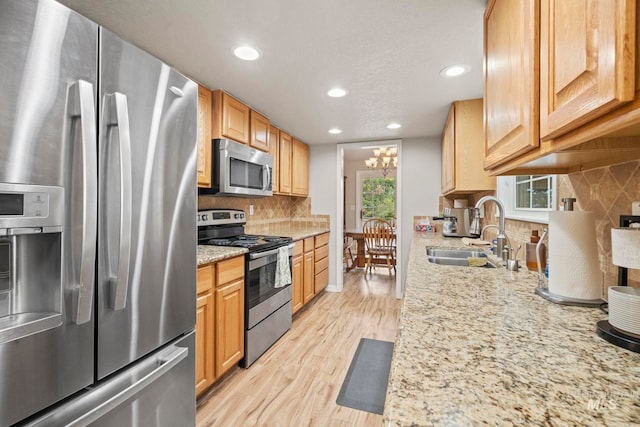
(274, 150)
(448, 149)
(285, 163)
(204, 342)
(309, 277)
(229, 326)
(511, 107)
(300, 169)
(204, 137)
(586, 61)
(297, 282)
(259, 131)
(230, 118)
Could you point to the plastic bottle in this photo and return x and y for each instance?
(531, 258)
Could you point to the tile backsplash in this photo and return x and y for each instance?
(269, 212)
(607, 192)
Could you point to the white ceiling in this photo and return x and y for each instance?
(386, 53)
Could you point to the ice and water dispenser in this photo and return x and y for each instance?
(31, 225)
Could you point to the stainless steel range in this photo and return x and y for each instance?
(267, 303)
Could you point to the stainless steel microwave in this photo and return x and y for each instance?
(239, 170)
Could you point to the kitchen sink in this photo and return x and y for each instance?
(456, 257)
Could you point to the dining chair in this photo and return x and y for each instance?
(379, 239)
(347, 255)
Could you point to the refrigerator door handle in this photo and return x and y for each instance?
(167, 362)
(116, 114)
(81, 106)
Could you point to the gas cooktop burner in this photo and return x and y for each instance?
(248, 241)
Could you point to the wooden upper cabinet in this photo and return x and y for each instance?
(259, 131)
(284, 186)
(274, 150)
(511, 60)
(204, 137)
(300, 168)
(586, 61)
(448, 148)
(462, 150)
(231, 118)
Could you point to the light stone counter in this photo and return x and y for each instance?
(477, 346)
(207, 254)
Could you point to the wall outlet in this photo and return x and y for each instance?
(635, 208)
(250, 209)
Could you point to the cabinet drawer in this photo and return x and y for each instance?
(322, 239)
(230, 269)
(322, 252)
(321, 264)
(309, 244)
(205, 278)
(321, 280)
(298, 248)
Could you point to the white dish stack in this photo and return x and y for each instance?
(624, 309)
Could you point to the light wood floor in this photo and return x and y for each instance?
(296, 382)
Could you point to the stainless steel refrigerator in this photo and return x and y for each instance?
(97, 226)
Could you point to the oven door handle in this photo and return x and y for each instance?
(259, 255)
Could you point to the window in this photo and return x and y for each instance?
(379, 198)
(528, 197)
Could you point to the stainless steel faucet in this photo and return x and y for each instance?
(503, 245)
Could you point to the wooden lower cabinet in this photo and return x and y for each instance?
(321, 266)
(205, 375)
(309, 269)
(308, 273)
(219, 320)
(297, 277)
(229, 326)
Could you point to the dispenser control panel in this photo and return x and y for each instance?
(24, 204)
(30, 206)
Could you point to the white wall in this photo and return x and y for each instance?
(322, 190)
(421, 165)
(350, 168)
(421, 176)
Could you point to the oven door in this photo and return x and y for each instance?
(262, 297)
(240, 170)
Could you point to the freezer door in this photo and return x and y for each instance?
(156, 391)
(147, 204)
(48, 64)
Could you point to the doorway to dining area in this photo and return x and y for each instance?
(370, 189)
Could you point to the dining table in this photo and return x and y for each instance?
(361, 259)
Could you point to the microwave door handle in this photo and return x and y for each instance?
(81, 107)
(117, 112)
(267, 172)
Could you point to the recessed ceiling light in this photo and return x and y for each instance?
(454, 71)
(394, 126)
(247, 53)
(335, 131)
(337, 92)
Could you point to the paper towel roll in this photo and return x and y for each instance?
(574, 268)
(625, 247)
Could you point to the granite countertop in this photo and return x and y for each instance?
(208, 254)
(476, 345)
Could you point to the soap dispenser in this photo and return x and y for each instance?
(530, 250)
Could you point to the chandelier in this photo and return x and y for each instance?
(384, 161)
